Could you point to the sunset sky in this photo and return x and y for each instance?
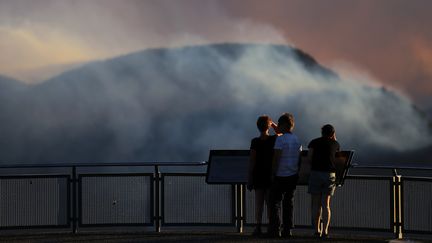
(387, 40)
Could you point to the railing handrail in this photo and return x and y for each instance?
(195, 163)
(390, 167)
(179, 163)
(116, 164)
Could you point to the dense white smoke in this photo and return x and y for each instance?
(177, 104)
(359, 112)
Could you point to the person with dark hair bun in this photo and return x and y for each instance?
(261, 156)
(322, 153)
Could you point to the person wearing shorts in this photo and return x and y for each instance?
(322, 153)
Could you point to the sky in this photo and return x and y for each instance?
(390, 41)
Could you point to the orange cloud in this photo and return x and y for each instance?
(422, 51)
(32, 47)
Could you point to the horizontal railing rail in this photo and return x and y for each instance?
(119, 164)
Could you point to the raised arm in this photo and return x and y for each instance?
(276, 129)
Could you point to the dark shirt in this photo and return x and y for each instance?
(261, 173)
(324, 154)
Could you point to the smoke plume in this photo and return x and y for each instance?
(177, 104)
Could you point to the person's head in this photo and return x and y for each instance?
(286, 122)
(263, 123)
(328, 131)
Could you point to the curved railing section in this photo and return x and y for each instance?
(154, 196)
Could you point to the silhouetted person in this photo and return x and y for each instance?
(260, 167)
(285, 171)
(322, 152)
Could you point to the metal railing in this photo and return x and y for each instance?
(158, 195)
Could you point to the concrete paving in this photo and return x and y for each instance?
(179, 237)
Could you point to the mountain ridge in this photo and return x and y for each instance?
(145, 105)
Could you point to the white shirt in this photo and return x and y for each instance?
(291, 148)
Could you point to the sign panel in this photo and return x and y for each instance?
(228, 167)
(231, 167)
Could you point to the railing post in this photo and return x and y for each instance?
(397, 205)
(243, 208)
(239, 207)
(401, 205)
(157, 216)
(74, 200)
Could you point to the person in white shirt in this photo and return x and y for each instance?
(285, 168)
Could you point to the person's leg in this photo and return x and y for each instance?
(288, 208)
(328, 192)
(288, 204)
(259, 206)
(315, 189)
(316, 212)
(275, 198)
(267, 201)
(326, 213)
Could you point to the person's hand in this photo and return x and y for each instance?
(276, 128)
(334, 137)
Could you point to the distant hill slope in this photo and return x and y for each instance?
(10, 84)
(176, 104)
